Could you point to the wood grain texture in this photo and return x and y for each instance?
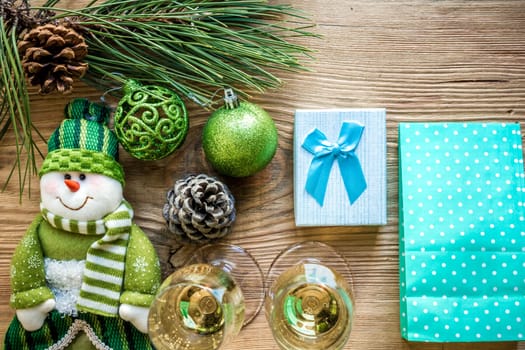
(421, 60)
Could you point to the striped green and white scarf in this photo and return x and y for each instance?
(104, 272)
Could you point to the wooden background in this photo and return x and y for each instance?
(421, 60)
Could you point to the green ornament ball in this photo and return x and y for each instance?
(151, 122)
(239, 139)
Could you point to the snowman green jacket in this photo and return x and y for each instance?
(28, 277)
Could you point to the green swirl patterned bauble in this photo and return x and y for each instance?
(151, 122)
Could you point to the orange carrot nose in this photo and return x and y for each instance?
(73, 185)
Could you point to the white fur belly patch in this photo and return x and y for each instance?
(64, 278)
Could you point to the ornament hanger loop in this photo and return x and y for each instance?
(228, 91)
(103, 97)
(119, 77)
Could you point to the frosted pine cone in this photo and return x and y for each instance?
(199, 208)
(52, 57)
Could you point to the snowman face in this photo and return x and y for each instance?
(80, 196)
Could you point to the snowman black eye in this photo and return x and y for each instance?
(82, 176)
(67, 176)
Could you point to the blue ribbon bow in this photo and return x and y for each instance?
(325, 152)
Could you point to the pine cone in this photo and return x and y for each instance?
(199, 208)
(52, 56)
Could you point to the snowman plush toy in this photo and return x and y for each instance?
(83, 276)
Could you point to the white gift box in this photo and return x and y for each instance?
(337, 210)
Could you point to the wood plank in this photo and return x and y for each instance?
(422, 60)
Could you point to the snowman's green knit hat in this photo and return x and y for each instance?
(84, 143)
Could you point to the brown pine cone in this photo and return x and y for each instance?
(199, 208)
(52, 57)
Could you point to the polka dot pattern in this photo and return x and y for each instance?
(462, 232)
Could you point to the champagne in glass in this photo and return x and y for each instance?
(309, 303)
(240, 265)
(198, 307)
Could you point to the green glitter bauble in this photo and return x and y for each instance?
(239, 140)
(151, 122)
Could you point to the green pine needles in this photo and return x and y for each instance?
(192, 47)
(14, 103)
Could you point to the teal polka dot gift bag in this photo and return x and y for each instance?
(462, 232)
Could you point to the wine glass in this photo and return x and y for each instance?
(204, 304)
(309, 302)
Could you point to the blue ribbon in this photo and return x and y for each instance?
(325, 152)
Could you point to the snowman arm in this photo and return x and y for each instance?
(142, 271)
(28, 281)
(141, 281)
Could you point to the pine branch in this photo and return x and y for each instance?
(14, 108)
(193, 47)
